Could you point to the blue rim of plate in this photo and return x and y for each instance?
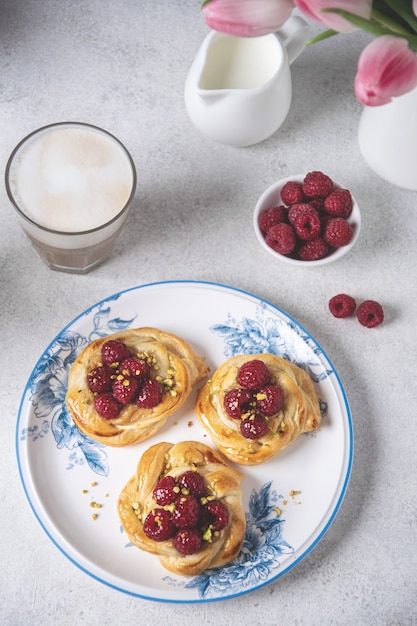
(342, 490)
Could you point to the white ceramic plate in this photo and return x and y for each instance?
(290, 501)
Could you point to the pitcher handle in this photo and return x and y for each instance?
(294, 34)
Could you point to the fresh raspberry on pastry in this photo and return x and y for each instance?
(184, 504)
(122, 388)
(254, 406)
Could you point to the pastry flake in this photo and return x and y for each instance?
(139, 505)
(299, 411)
(172, 365)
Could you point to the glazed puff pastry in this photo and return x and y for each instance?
(171, 359)
(137, 501)
(299, 413)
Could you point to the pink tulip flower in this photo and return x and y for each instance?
(386, 68)
(247, 18)
(313, 9)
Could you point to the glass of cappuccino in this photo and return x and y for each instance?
(71, 185)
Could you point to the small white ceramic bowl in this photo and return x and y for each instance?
(272, 197)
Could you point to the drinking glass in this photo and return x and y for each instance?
(71, 185)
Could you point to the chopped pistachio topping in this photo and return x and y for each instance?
(149, 358)
(208, 534)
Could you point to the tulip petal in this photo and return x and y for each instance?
(247, 18)
(386, 68)
(313, 9)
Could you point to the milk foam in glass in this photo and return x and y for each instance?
(71, 185)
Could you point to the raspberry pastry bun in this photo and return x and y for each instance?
(256, 405)
(184, 505)
(123, 387)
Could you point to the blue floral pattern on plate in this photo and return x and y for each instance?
(261, 550)
(48, 385)
(273, 335)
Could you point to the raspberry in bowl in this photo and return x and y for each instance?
(307, 219)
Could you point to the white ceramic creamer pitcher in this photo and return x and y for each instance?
(238, 90)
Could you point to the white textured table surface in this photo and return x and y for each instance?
(122, 66)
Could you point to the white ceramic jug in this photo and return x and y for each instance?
(238, 90)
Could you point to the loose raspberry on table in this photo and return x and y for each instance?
(188, 541)
(342, 305)
(253, 427)
(370, 313)
(253, 374)
(136, 367)
(317, 185)
(292, 192)
(125, 389)
(338, 232)
(158, 525)
(99, 379)
(192, 482)
(270, 399)
(270, 217)
(166, 490)
(150, 395)
(313, 250)
(107, 406)
(281, 238)
(113, 352)
(237, 401)
(186, 513)
(339, 203)
(307, 225)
